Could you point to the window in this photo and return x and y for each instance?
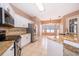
(52, 30)
(48, 28)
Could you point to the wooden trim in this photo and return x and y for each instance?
(71, 14)
(48, 33)
(51, 21)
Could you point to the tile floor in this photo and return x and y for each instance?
(37, 48)
(43, 47)
(54, 48)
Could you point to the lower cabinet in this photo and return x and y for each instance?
(25, 39)
(10, 51)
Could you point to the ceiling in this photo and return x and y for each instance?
(51, 10)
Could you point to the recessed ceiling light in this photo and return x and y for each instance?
(40, 6)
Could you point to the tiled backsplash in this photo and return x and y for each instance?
(16, 31)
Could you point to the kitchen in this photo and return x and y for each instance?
(15, 31)
(28, 31)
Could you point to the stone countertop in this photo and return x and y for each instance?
(72, 38)
(4, 45)
(74, 50)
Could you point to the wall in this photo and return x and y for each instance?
(61, 28)
(21, 21)
(61, 25)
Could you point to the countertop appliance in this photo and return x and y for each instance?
(2, 35)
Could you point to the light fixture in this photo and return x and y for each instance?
(40, 6)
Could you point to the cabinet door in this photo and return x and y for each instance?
(8, 18)
(10, 51)
(0, 15)
(25, 39)
(9, 21)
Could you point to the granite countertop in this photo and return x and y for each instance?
(74, 50)
(4, 45)
(70, 37)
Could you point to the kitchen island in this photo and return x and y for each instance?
(70, 44)
(70, 50)
(70, 37)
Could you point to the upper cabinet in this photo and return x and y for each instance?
(1, 16)
(21, 21)
(8, 16)
(73, 25)
(5, 17)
